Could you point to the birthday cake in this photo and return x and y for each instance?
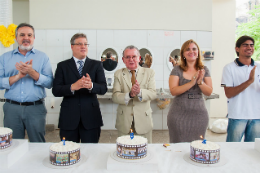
(64, 155)
(206, 153)
(128, 148)
(6, 136)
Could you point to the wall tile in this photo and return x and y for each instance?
(41, 48)
(40, 38)
(67, 34)
(157, 121)
(158, 55)
(155, 108)
(55, 54)
(158, 72)
(54, 38)
(106, 106)
(53, 119)
(159, 84)
(173, 39)
(91, 36)
(108, 121)
(187, 35)
(53, 101)
(204, 39)
(105, 38)
(156, 38)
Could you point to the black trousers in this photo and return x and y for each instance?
(80, 134)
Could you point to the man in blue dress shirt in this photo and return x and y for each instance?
(24, 73)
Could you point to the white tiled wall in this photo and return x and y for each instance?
(56, 44)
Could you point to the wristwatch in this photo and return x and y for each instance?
(200, 83)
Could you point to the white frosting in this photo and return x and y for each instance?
(208, 146)
(137, 140)
(5, 130)
(69, 146)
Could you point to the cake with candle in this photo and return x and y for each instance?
(6, 136)
(131, 147)
(64, 153)
(205, 152)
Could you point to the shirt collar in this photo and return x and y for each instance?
(238, 63)
(136, 70)
(76, 59)
(17, 50)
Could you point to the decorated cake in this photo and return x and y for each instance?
(64, 155)
(6, 136)
(204, 152)
(135, 148)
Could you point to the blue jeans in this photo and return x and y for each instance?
(239, 127)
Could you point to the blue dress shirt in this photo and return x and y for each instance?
(26, 89)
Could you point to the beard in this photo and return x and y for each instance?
(27, 48)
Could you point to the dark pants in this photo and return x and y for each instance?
(32, 118)
(80, 134)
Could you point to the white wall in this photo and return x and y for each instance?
(121, 14)
(223, 36)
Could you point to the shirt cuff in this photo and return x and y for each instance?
(72, 90)
(127, 98)
(140, 95)
(91, 87)
(5, 83)
(41, 79)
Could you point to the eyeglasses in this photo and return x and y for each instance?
(81, 44)
(129, 57)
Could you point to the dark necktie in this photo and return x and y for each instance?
(133, 77)
(80, 67)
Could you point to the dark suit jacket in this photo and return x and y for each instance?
(83, 105)
(109, 64)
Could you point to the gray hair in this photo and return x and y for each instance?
(131, 47)
(75, 36)
(24, 25)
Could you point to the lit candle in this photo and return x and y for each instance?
(131, 134)
(63, 140)
(204, 141)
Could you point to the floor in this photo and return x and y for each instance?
(159, 136)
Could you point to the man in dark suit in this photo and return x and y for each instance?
(78, 80)
(109, 64)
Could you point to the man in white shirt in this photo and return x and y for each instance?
(242, 87)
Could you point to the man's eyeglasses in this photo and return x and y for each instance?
(81, 44)
(129, 57)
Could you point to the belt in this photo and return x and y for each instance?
(194, 96)
(38, 102)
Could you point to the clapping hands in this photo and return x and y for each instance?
(84, 82)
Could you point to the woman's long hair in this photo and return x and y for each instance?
(148, 60)
(183, 63)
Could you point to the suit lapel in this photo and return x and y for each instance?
(140, 75)
(126, 77)
(73, 67)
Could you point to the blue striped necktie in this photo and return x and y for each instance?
(80, 67)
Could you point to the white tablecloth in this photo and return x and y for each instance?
(241, 157)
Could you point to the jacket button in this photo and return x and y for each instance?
(132, 114)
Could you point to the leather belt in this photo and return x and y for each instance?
(194, 96)
(38, 102)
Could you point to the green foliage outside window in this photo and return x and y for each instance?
(252, 29)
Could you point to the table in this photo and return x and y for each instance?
(242, 157)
